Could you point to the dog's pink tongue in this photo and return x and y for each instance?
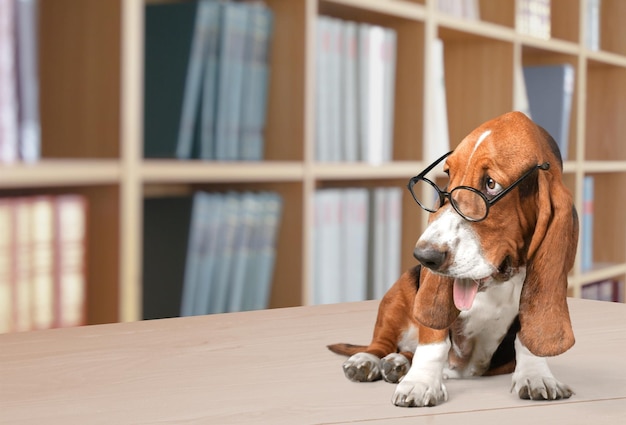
(464, 292)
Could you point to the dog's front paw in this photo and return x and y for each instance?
(362, 367)
(411, 393)
(394, 366)
(539, 387)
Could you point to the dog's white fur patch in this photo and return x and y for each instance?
(452, 232)
(488, 321)
(423, 384)
(533, 377)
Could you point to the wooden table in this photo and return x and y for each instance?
(272, 367)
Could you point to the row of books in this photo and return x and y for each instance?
(357, 238)
(209, 252)
(533, 17)
(206, 79)
(355, 90)
(467, 9)
(604, 290)
(20, 134)
(42, 262)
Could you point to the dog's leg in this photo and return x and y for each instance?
(394, 329)
(423, 384)
(533, 380)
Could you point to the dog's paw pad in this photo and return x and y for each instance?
(394, 367)
(362, 367)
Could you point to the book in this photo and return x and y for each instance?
(201, 210)
(322, 94)
(468, 9)
(349, 90)
(22, 259)
(260, 275)
(188, 144)
(586, 242)
(209, 252)
(70, 240)
(604, 290)
(592, 24)
(354, 243)
(335, 113)
(166, 230)
(372, 93)
(169, 31)
(393, 239)
(225, 255)
(550, 94)
(388, 56)
(8, 81)
(234, 21)
(247, 216)
(208, 102)
(533, 17)
(42, 262)
(255, 82)
(384, 244)
(327, 261)
(6, 265)
(520, 94)
(29, 140)
(437, 141)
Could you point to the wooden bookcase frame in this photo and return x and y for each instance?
(91, 105)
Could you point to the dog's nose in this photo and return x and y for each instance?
(430, 256)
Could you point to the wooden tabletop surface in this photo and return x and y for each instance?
(272, 367)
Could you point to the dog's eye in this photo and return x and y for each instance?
(492, 187)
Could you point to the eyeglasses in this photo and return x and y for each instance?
(471, 204)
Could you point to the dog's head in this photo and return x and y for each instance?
(504, 207)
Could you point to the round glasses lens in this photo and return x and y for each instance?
(426, 195)
(469, 203)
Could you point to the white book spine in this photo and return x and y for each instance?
(8, 82)
(437, 141)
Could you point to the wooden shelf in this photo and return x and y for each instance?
(92, 118)
(173, 171)
(53, 173)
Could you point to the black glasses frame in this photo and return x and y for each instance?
(443, 194)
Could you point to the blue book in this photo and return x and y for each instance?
(586, 248)
(188, 131)
(550, 91)
(230, 77)
(255, 81)
(209, 88)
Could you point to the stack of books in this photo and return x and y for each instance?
(357, 238)
(209, 253)
(206, 78)
(467, 9)
(533, 17)
(42, 262)
(20, 133)
(355, 91)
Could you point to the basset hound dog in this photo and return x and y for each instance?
(489, 295)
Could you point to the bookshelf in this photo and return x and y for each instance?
(91, 74)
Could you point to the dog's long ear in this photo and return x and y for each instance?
(546, 329)
(434, 303)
